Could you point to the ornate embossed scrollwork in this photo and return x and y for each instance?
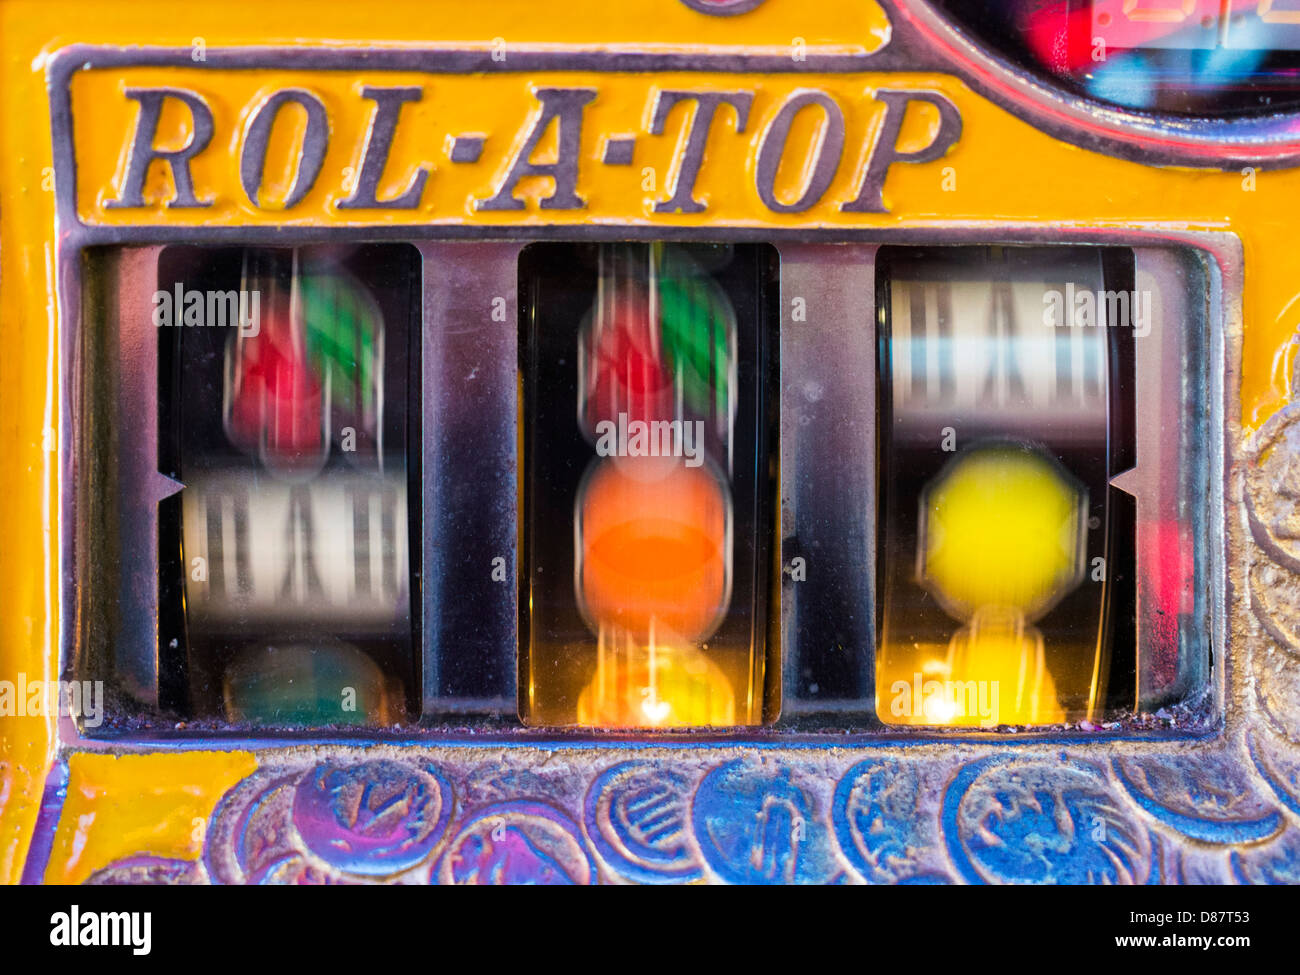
(1013, 817)
(1272, 503)
(1011, 820)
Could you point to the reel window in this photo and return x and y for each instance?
(1013, 495)
(259, 436)
(647, 484)
(996, 505)
(644, 486)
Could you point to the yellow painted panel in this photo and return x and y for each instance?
(118, 806)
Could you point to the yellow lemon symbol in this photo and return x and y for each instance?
(1002, 526)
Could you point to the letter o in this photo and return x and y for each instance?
(773, 148)
(252, 158)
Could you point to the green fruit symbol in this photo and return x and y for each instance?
(698, 326)
(344, 330)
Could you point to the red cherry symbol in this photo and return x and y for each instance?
(276, 403)
(625, 371)
(293, 428)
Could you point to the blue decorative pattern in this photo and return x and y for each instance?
(636, 816)
(1010, 820)
(1029, 815)
(755, 825)
(1203, 798)
(877, 818)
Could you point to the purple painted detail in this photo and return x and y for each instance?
(334, 822)
(376, 818)
(724, 8)
(38, 856)
(466, 148)
(247, 837)
(517, 843)
(296, 871)
(150, 870)
(618, 151)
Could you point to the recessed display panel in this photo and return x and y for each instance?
(1006, 556)
(648, 484)
(287, 379)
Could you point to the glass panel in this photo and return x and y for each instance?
(1006, 557)
(288, 382)
(828, 486)
(648, 484)
(1195, 57)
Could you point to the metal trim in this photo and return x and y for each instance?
(1223, 256)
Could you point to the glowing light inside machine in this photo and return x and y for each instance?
(664, 682)
(303, 542)
(1002, 540)
(1121, 51)
(994, 491)
(1001, 527)
(653, 516)
(311, 367)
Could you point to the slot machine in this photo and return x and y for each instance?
(679, 441)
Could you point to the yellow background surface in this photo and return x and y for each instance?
(1001, 171)
(118, 806)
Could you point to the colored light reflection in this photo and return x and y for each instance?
(655, 547)
(653, 515)
(1001, 542)
(659, 682)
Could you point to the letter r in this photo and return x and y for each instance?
(142, 152)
